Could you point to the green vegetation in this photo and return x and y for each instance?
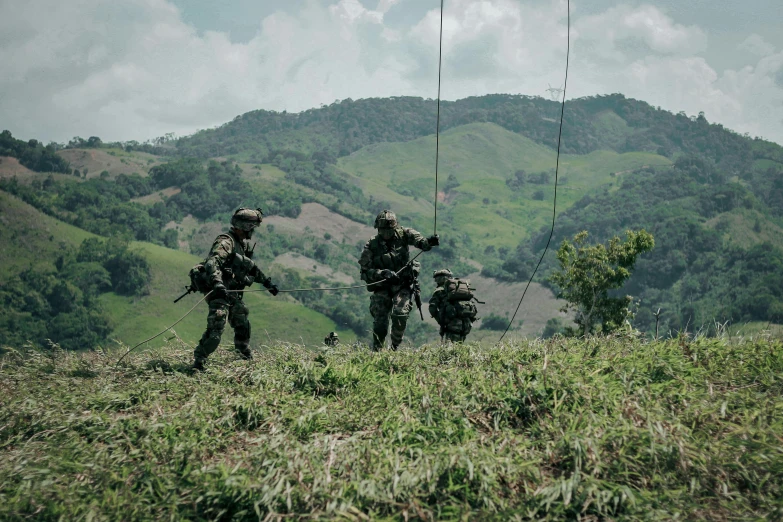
(40, 240)
(611, 122)
(33, 154)
(587, 274)
(696, 274)
(716, 213)
(62, 305)
(607, 428)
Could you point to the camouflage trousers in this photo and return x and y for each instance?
(390, 307)
(457, 330)
(219, 310)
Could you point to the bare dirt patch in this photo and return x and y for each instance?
(300, 262)
(319, 220)
(159, 196)
(114, 162)
(10, 167)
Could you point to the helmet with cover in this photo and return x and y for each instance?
(247, 219)
(443, 272)
(385, 219)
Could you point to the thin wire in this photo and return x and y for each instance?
(557, 169)
(265, 290)
(164, 331)
(437, 124)
(292, 290)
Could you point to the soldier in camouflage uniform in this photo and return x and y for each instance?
(454, 329)
(332, 339)
(229, 267)
(383, 256)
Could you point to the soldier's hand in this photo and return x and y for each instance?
(273, 289)
(389, 275)
(219, 291)
(434, 240)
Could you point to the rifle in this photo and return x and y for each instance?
(417, 297)
(188, 290)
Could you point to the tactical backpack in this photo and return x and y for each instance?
(459, 295)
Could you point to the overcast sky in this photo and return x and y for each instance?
(137, 69)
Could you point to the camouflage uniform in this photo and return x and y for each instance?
(454, 329)
(392, 300)
(332, 339)
(229, 305)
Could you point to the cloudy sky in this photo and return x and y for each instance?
(137, 69)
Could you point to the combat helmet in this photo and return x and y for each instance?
(247, 219)
(443, 272)
(385, 219)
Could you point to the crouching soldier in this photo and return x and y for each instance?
(227, 270)
(452, 306)
(332, 339)
(383, 256)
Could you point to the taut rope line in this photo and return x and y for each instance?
(557, 169)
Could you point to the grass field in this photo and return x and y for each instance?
(602, 429)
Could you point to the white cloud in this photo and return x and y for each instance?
(134, 69)
(755, 44)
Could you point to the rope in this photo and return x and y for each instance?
(437, 124)
(265, 290)
(164, 331)
(292, 290)
(557, 169)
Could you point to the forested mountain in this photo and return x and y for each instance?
(712, 198)
(611, 122)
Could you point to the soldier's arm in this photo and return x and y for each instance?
(368, 273)
(259, 276)
(218, 255)
(413, 237)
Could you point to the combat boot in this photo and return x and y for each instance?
(246, 354)
(198, 365)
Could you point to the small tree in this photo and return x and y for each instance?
(587, 274)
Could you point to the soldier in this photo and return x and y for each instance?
(383, 256)
(455, 325)
(332, 339)
(229, 267)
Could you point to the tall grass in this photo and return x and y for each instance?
(591, 430)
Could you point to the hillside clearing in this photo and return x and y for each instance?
(319, 220)
(113, 161)
(312, 267)
(603, 429)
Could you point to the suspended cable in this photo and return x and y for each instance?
(437, 121)
(265, 290)
(557, 169)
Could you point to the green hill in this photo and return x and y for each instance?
(354, 158)
(39, 239)
(481, 158)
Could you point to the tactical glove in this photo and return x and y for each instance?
(434, 240)
(389, 275)
(269, 286)
(219, 291)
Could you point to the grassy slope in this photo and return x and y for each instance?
(40, 237)
(482, 156)
(608, 429)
